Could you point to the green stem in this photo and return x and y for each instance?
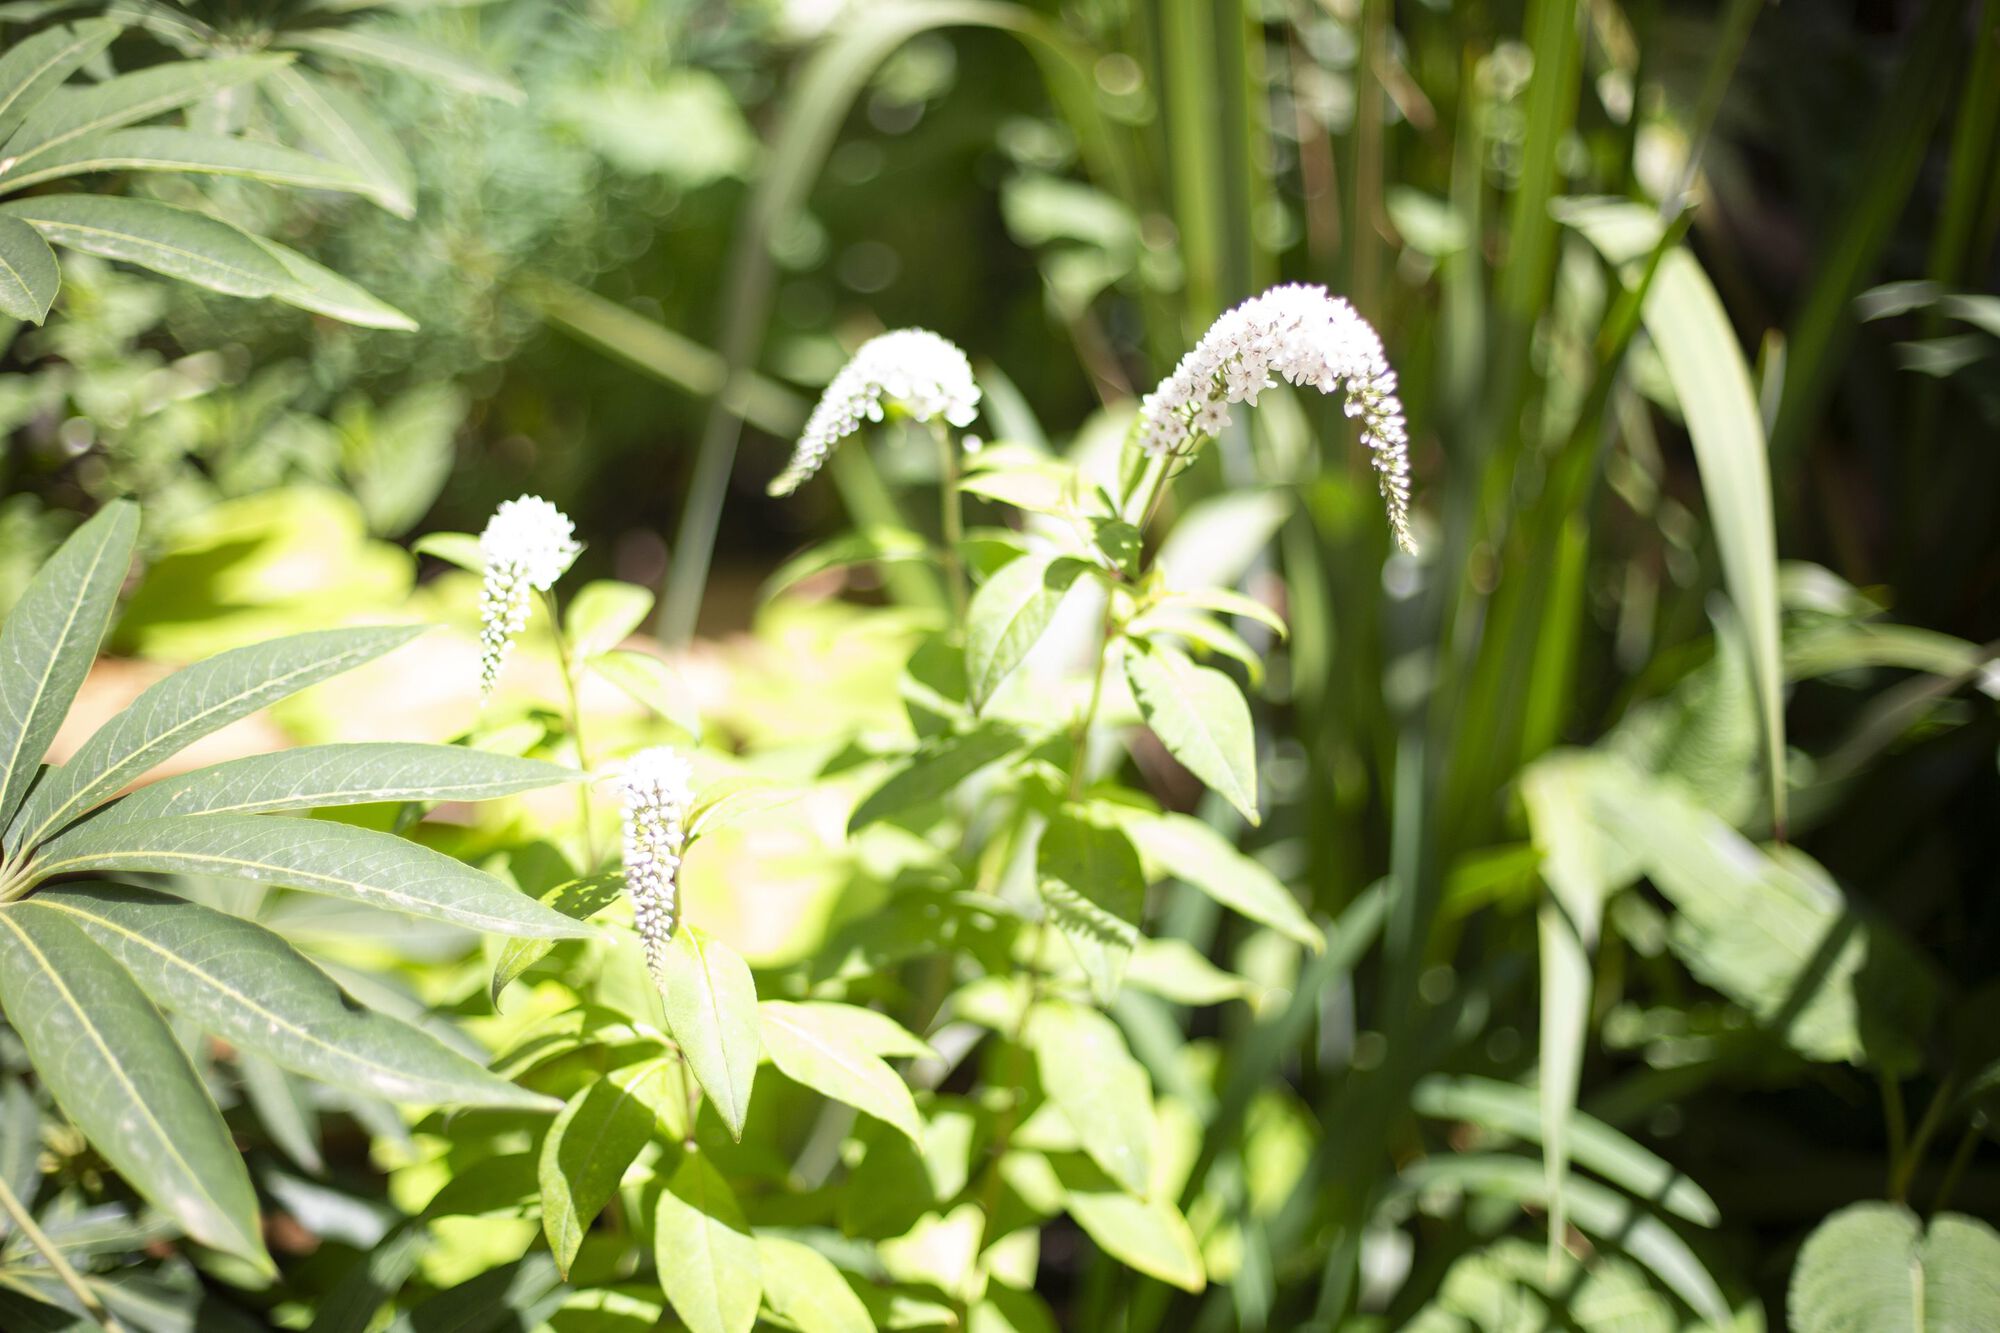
(1897, 1121)
(1913, 1156)
(951, 508)
(1080, 736)
(1961, 1158)
(57, 1263)
(575, 720)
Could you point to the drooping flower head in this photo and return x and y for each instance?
(656, 788)
(528, 544)
(1308, 338)
(913, 369)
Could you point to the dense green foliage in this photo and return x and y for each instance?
(1058, 887)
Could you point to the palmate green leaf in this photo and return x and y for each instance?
(1009, 613)
(177, 242)
(1149, 1235)
(166, 148)
(1089, 1073)
(173, 713)
(36, 66)
(239, 981)
(1186, 849)
(1095, 890)
(707, 1258)
(1516, 1111)
(312, 286)
(1202, 719)
(315, 856)
(936, 768)
(711, 1007)
(393, 50)
(803, 1286)
(586, 1153)
(50, 639)
(335, 123)
(1873, 1268)
(117, 1072)
(827, 1047)
(70, 114)
(29, 277)
(316, 777)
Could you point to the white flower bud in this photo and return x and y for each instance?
(1308, 338)
(656, 787)
(913, 369)
(528, 544)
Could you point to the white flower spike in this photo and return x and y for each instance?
(528, 544)
(656, 787)
(925, 375)
(1310, 339)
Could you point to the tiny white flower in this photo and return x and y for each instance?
(528, 544)
(656, 788)
(925, 375)
(1308, 338)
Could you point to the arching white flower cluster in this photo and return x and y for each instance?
(528, 544)
(916, 370)
(1308, 338)
(656, 788)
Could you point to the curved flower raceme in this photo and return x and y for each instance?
(925, 375)
(656, 788)
(1308, 338)
(528, 544)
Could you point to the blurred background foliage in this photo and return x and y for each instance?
(640, 234)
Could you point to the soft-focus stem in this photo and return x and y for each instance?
(69, 1277)
(951, 509)
(1960, 1159)
(1913, 1156)
(575, 720)
(1080, 737)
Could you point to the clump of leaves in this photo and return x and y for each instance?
(88, 959)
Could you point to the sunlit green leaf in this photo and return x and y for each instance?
(827, 1048)
(1089, 1073)
(585, 1156)
(1202, 719)
(1184, 848)
(1095, 891)
(1008, 615)
(29, 277)
(802, 1285)
(708, 1261)
(1873, 1268)
(711, 1005)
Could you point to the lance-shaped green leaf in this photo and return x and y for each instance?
(1008, 615)
(312, 286)
(50, 640)
(1517, 1112)
(29, 277)
(586, 1153)
(393, 50)
(1089, 1073)
(1186, 849)
(166, 148)
(707, 1258)
(335, 123)
(711, 1007)
(1095, 890)
(177, 242)
(937, 766)
(70, 114)
(174, 713)
(314, 855)
(651, 682)
(36, 66)
(802, 1284)
(1202, 719)
(116, 1070)
(577, 899)
(1149, 1235)
(818, 1045)
(1873, 1268)
(346, 773)
(241, 982)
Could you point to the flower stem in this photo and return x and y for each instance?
(575, 720)
(1080, 737)
(57, 1263)
(950, 506)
